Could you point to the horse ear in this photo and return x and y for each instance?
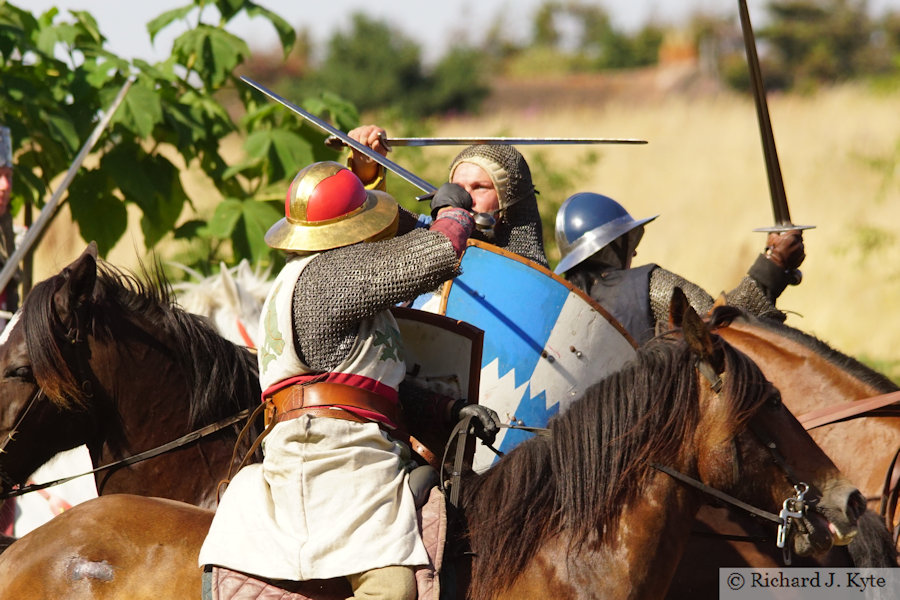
(695, 331)
(676, 308)
(232, 296)
(720, 301)
(78, 281)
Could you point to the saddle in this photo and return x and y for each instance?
(226, 584)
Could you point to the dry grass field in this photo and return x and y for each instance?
(703, 172)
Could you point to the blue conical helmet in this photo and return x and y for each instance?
(586, 222)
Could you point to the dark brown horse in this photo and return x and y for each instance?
(586, 512)
(97, 357)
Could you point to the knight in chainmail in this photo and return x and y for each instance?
(9, 298)
(500, 185)
(331, 497)
(597, 239)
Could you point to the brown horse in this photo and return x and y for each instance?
(811, 376)
(97, 357)
(587, 511)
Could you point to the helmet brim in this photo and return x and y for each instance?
(594, 240)
(376, 215)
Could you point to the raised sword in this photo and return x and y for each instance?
(333, 142)
(773, 169)
(347, 140)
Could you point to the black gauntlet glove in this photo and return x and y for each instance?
(450, 194)
(487, 423)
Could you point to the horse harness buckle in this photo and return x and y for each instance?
(792, 508)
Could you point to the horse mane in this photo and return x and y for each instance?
(852, 366)
(596, 460)
(223, 377)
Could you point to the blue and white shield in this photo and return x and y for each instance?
(544, 340)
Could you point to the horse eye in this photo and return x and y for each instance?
(22, 373)
(774, 400)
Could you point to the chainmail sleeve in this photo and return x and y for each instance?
(748, 295)
(342, 287)
(752, 297)
(663, 283)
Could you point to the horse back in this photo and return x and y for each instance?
(112, 547)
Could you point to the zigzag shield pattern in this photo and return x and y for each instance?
(544, 341)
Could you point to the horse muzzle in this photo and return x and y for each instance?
(830, 522)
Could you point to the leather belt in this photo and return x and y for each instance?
(325, 399)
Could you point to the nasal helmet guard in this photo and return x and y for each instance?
(327, 207)
(587, 222)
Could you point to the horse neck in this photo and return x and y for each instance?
(150, 401)
(635, 561)
(807, 379)
(148, 394)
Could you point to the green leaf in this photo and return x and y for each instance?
(140, 109)
(285, 30)
(189, 229)
(224, 219)
(152, 183)
(258, 218)
(62, 130)
(162, 21)
(212, 53)
(286, 151)
(100, 215)
(163, 203)
(88, 25)
(229, 8)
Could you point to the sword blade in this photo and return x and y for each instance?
(347, 140)
(49, 209)
(773, 168)
(507, 141)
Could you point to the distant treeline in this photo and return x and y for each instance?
(376, 66)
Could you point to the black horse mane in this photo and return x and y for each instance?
(844, 362)
(223, 376)
(596, 459)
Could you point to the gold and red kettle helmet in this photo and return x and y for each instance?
(327, 207)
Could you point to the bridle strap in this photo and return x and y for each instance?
(718, 494)
(38, 392)
(142, 456)
(777, 458)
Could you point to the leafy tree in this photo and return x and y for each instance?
(372, 65)
(819, 41)
(57, 76)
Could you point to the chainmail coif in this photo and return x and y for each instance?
(518, 227)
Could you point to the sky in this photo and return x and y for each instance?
(434, 24)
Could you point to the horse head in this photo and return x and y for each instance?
(45, 405)
(96, 356)
(747, 429)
